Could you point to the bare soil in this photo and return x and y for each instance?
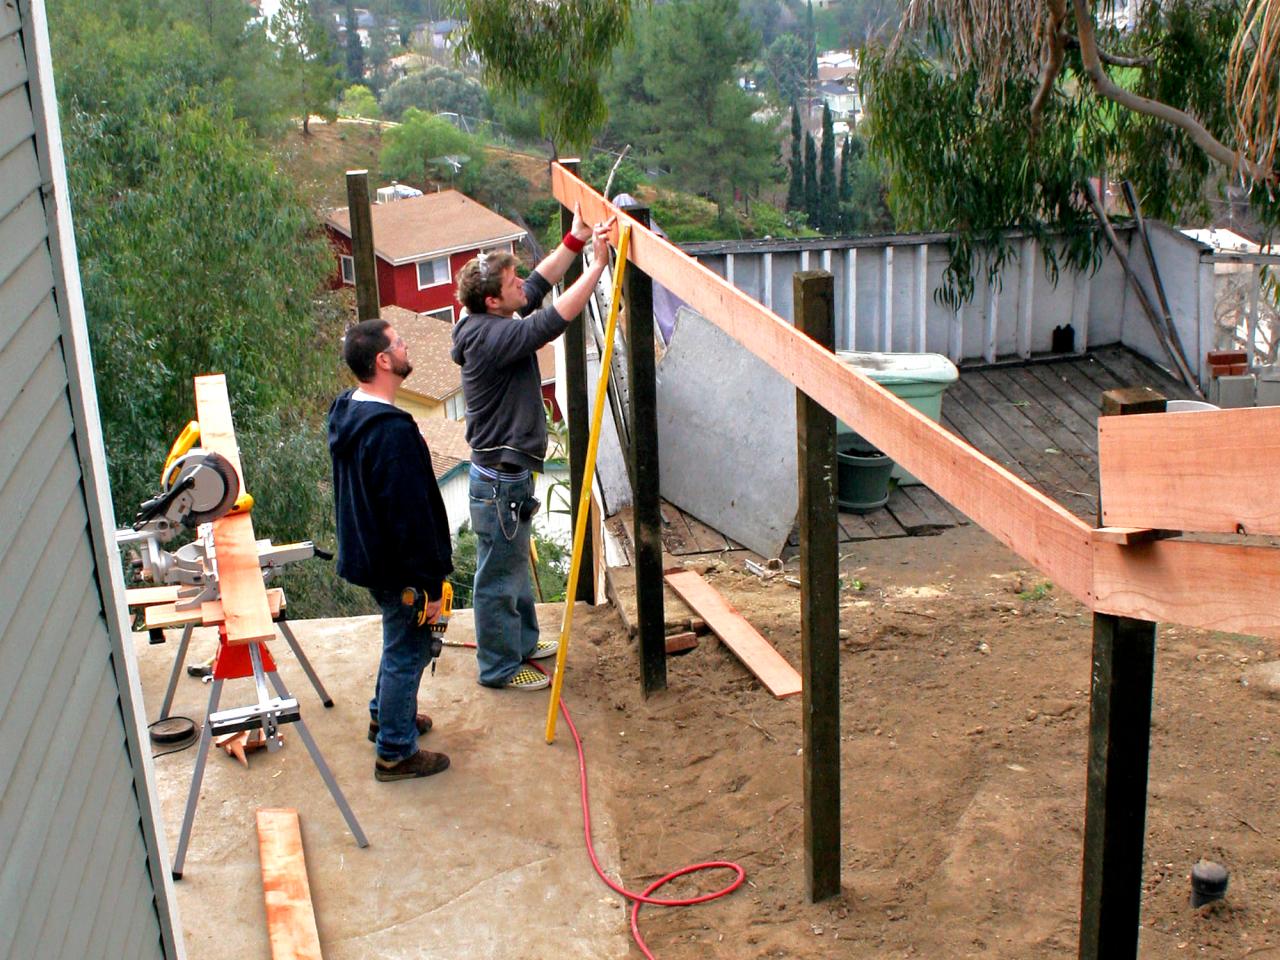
(965, 703)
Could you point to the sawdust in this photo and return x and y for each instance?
(964, 731)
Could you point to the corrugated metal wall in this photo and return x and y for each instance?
(78, 856)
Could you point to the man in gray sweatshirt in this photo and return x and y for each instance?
(496, 344)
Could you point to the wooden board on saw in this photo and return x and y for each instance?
(756, 653)
(291, 919)
(146, 596)
(244, 595)
(161, 616)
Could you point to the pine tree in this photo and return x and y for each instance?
(795, 190)
(810, 179)
(845, 192)
(355, 50)
(828, 213)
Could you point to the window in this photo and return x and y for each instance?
(444, 313)
(348, 269)
(434, 272)
(455, 406)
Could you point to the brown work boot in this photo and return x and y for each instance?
(424, 763)
(421, 721)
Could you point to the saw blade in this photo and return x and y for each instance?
(215, 490)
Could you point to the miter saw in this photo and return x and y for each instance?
(197, 487)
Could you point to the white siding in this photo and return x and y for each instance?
(83, 873)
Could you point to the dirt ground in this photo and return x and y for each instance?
(965, 692)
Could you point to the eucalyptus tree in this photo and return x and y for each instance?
(990, 114)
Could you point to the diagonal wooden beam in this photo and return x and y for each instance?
(1048, 535)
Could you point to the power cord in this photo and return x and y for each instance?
(187, 740)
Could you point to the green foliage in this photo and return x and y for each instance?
(519, 117)
(553, 566)
(437, 89)
(555, 51)
(673, 95)
(354, 49)
(411, 152)
(863, 201)
(787, 63)
(597, 167)
(359, 101)
(811, 179)
(311, 81)
(1038, 592)
(828, 202)
(795, 185)
(957, 162)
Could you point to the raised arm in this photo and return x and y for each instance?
(553, 265)
(571, 303)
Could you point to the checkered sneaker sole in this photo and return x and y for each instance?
(527, 679)
(545, 648)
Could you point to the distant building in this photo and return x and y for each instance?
(420, 244)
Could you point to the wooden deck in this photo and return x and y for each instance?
(1038, 419)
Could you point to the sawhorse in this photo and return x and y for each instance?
(268, 714)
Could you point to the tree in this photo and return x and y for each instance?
(676, 97)
(355, 49)
(359, 101)
(415, 151)
(437, 89)
(556, 51)
(989, 116)
(787, 61)
(305, 61)
(810, 179)
(828, 210)
(844, 190)
(795, 187)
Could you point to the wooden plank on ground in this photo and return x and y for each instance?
(146, 596)
(1045, 533)
(1083, 443)
(707, 539)
(243, 593)
(291, 919)
(736, 633)
(1127, 365)
(1213, 586)
(1057, 378)
(937, 514)
(854, 527)
(883, 525)
(1212, 471)
(1048, 412)
(910, 517)
(676, 537)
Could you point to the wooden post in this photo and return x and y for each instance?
(1119, 744)
(362, 245)
(814, 298)
(647, 534)
(577, 410)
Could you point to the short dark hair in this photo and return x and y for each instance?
(362, 344)
(481, 277)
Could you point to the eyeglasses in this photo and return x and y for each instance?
(482, 262)
(394, 345)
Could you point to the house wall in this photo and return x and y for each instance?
(85, 869)
(421, 407)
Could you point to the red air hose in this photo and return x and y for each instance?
(639, 899)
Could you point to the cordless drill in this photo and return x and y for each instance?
(417, 599)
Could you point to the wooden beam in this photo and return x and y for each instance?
(814, 298)
(1210, 471)
(291, 919)
(647, 518)
(1046, 534)
(243, 594)
(146, 596)
(362, 255)
(753, 650)
(1211, 586)
(577, 410)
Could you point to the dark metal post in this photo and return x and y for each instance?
(647, 534)
(577, 410)
(814, 298)
(1119, 745)
(362, 245)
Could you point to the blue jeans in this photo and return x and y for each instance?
(505, 617)
(406, 649)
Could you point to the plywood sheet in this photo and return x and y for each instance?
(756, 653)
(244, 597)
(1213, 471)
(291, 919)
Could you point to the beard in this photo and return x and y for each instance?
(401, 367)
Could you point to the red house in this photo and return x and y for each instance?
(420, 244)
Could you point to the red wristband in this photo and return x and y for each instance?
(573, 243)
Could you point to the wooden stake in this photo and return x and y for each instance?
(647, 519)
(577, 412)
(362, 245)
(814, 297)
(1116, 788)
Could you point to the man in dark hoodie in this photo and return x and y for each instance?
(496, 345)
(393, 537)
